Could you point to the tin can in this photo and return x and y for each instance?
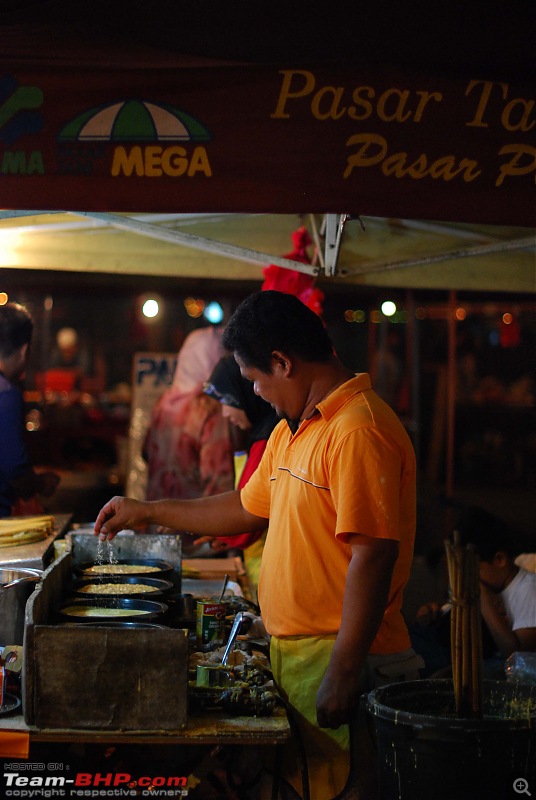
(212, 676)
(210, 621)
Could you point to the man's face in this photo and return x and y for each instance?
(273, 387)
(492, 575)
(15, 365)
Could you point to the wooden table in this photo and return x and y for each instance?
(198, 749)
(211, 751)
(210, 727)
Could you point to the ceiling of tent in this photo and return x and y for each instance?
(373, 251)
(269, 163)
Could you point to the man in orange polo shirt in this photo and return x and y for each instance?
(337, 486)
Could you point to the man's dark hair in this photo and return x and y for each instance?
(268, 321)
(16, 328)
(489, 534)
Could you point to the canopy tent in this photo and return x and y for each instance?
(235, 247)
(227, 120)
(235, 118)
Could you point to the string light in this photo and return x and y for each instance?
(213, 312)
(354, 316)
(388, 308)
(194, 308)
(150, 308)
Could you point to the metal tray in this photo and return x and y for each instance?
(11, 703)
(161, 568)
(161, 587)
(151, 609)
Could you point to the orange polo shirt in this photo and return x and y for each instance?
(348, 469)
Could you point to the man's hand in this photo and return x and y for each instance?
(218, 515)
(118, 514)
(215, 545)
(428, 614)
(365, 597)
(337, 699)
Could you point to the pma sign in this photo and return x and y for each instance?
(155, 370)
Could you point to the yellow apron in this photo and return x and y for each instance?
(298, 665)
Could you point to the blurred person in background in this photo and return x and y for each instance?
(507, 600)
(251, 421)
(20, 485)
(68, 354)
(188, 446)
(507, 591)
(72, 366)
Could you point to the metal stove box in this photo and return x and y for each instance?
(97, 677)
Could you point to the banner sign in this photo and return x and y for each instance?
(152, 374)
(267, 139)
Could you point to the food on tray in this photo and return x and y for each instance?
(117, 588)
(95, 611)
(120, 569)
(25, 530)
(21, 538)
(248, 688)
(237, 657)
(250, 701)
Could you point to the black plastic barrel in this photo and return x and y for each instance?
(427, 752)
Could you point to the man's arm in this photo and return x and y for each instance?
(219, 515)
(506, 640)
(365, 598)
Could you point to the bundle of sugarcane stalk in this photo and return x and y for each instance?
(25, 530)
(465, 627)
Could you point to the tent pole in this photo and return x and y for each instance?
(526, 243)
(451, 393)
(414, 372)
(196, 242)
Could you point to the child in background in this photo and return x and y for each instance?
(507, 599)
(507, 591)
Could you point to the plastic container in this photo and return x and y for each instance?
(520, 667)
(426, 751)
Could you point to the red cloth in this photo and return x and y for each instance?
(254, 456)
(27, 508)
(290, 280)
